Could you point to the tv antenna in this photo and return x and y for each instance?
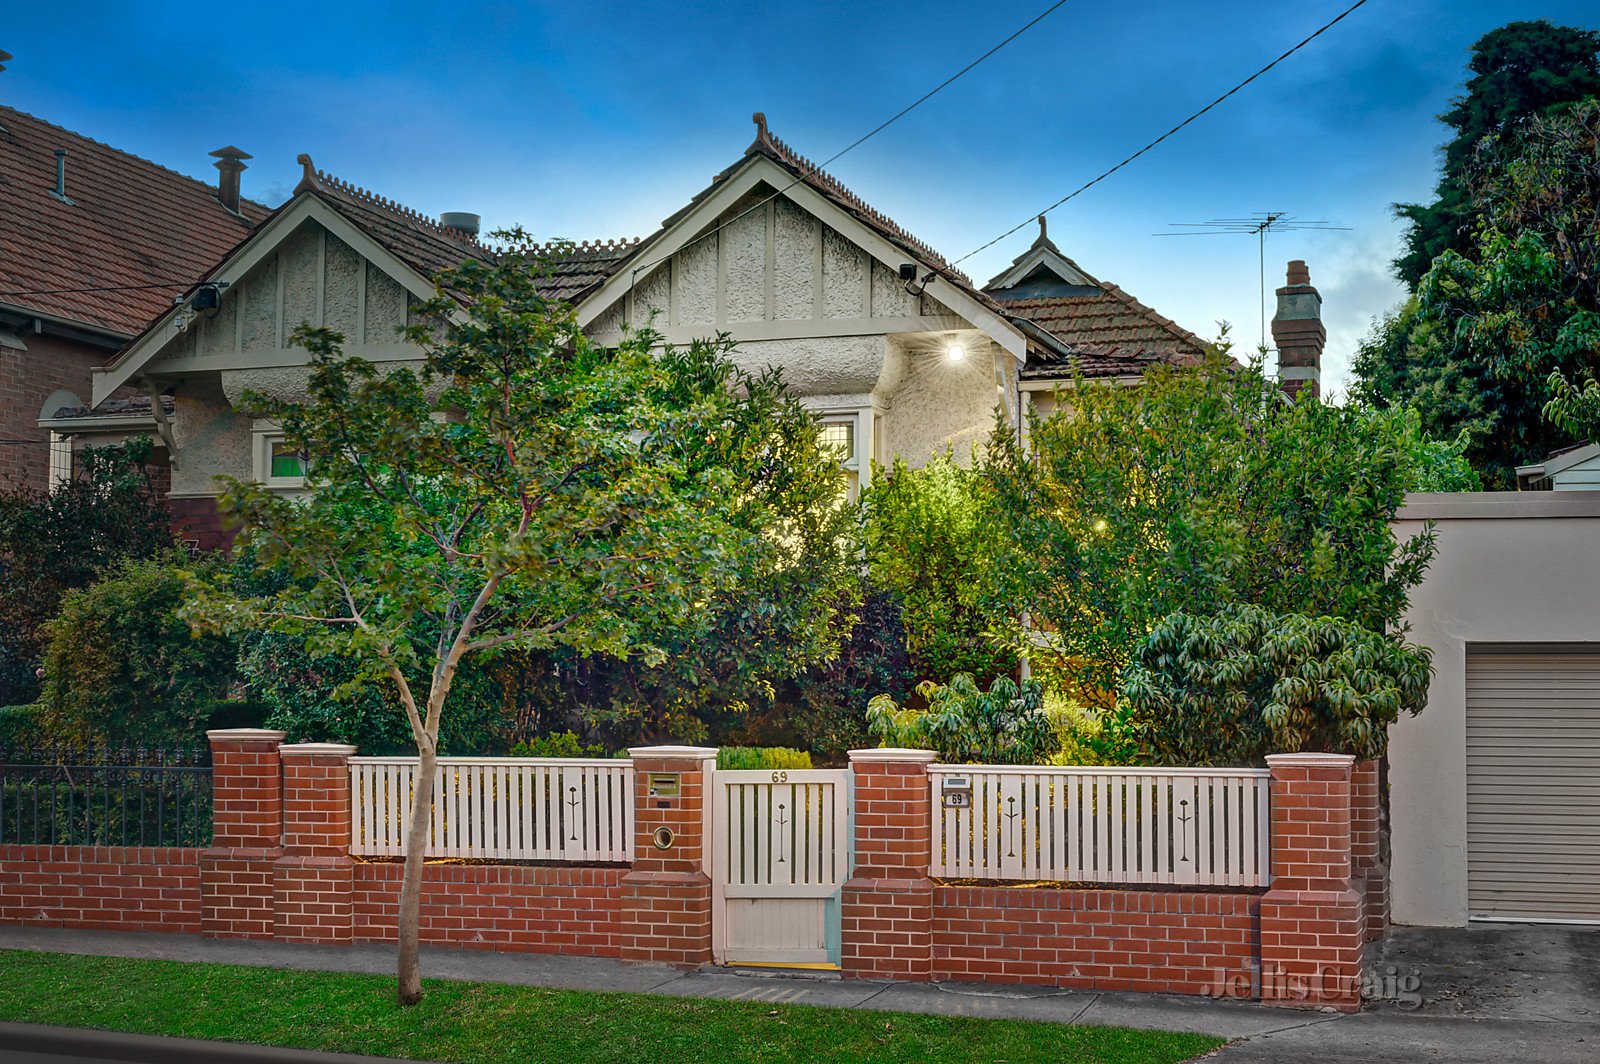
(1259, 224)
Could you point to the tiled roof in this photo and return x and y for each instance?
(129, 223)
(421, 242)
(133, 406)
(1108, 318)
(1097, 360)
(576, 268)
(774, 148)
(430, 247)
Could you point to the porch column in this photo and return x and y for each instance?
(236, 871)
(666, 895)
(1311, 917)
(887, 904)
(314, 879)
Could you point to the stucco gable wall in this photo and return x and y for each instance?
(776, 263)
(314, 278)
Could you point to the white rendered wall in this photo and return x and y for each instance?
(1511, 568)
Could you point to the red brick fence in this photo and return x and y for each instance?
(280, 867)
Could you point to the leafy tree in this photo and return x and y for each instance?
(1005, 725)
(1200, 488)
(1234, 686)
(325, 698)
(123, 667)
(1490, 329)
(524, 490)
(925, 542)
(824, 708)
(56, 541)
(1521, 70)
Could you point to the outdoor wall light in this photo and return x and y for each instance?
(956, 352)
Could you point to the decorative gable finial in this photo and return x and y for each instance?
(308, 175)
(1044, 232)
(763, 141)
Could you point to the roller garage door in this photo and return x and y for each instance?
(1533, 785)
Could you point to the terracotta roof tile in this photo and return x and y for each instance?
(430, 247)
(130, 223)
(1109, 317)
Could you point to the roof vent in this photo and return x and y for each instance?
(461, 221)
(230, 164)
(60, 191)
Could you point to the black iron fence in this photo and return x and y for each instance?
(72, 796)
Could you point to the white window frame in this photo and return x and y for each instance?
(863, 424)
(62, 459)
(263, 435)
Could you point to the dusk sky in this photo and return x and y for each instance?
(598, 120)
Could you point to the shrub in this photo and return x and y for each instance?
(323, 698)
(563, 744)
(1199, 489)
(926, 542)
(762, 757)
(56, 541)
(1235, 686)
(1006, 725)
(20, 726)
(123, 667)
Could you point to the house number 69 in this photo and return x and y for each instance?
(780, 777)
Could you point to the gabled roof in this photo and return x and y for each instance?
(1043, 261)
(136, 230)
(1089, 324)
(789, 173)
(419, 241)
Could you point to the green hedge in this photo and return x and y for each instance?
(762, 757)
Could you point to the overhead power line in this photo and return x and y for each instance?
(1087, 185)
(853, 145)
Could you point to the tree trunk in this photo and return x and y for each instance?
(410, 971)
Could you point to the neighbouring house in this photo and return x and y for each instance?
(94, 243)
(1572, 469)
(897, 352)
(1495, 787)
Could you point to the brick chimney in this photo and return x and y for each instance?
(230, 164)
(1297, 330)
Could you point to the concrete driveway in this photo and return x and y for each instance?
(1488, 993)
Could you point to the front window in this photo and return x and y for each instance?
(277, 463)
(838, 439)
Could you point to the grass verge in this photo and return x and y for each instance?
(487, 1023)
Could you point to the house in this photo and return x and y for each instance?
(1573, 469)
(897, 352)
(94, 243)
(1494, 787)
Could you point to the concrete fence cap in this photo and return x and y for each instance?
(674, 753)
(894, 753)
(317, 748)
(246, 735)
(1311, 760)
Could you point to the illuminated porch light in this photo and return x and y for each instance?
(955, 352)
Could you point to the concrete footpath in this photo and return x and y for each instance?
(1499, 994)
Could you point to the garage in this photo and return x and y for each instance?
(1533, 784)
(1494, 788)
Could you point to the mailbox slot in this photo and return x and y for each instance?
(956, 792)
(664, 784)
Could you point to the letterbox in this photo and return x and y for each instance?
(956, 792)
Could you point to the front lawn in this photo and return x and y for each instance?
(480, 1023)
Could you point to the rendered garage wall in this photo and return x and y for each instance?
(1511, 569)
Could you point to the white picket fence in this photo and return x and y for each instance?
(1199, 827)
(504, 808)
